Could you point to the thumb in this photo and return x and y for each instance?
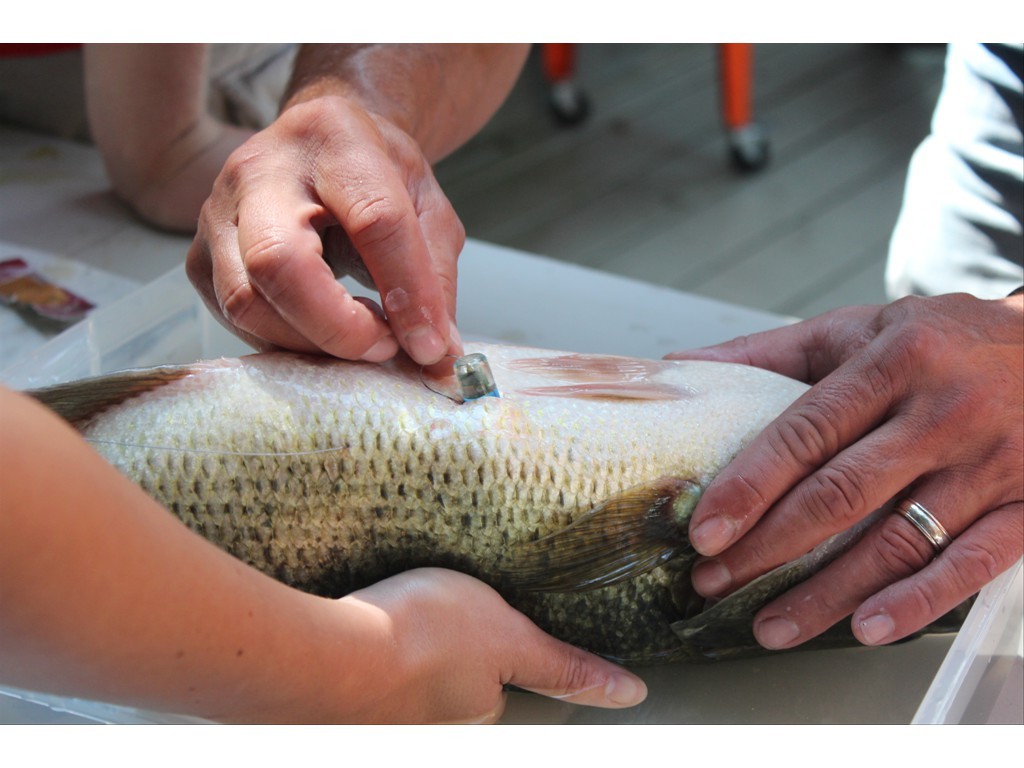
(807, 351)
(561, 671)
(782, 350)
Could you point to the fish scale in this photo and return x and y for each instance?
(570, 493)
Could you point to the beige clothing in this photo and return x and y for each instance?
(45, 93)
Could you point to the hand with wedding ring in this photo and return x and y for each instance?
(920, 402)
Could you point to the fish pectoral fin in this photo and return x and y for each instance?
(627, 535)
(78, 401)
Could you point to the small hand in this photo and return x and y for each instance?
(922, 397)
(331, 185)
(455, 643)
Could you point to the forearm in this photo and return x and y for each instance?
(149, 119)
(103, 594)
(441, 95)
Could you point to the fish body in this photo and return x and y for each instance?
(570, 493)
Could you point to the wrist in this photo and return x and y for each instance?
(170, 191)
(368, 77)
(438, 94)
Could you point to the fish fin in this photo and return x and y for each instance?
(625, 536)
(78, 401)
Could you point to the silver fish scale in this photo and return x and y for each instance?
(330, 477)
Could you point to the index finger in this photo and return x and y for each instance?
(385, 216)
(282, 255)
(807, 351)
(820, 424)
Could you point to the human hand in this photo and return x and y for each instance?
(330, 186)
(920, 398)
(453, 643)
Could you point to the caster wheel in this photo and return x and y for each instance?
(748, 148)
(567, 102)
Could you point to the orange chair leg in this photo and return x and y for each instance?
(748, 143)
(559, 61)
(565, 97)
(736, 64)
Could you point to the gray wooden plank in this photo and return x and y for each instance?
(718, 224)
(854, 282)
(777, 278)
(642, 188)
(664, 120)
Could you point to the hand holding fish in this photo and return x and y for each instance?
(454, 644)
(105, 595)
(341, 183)
(921, 398)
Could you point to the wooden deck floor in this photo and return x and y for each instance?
(644, 188)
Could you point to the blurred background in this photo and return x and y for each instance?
(644, 185)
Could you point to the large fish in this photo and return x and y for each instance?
(570, 492)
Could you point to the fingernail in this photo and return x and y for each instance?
(711, 578)
(714, 535)
(876, 629)
(383, 350)
(776, 632)
(425, 345)
(625, 690)
(455, 336)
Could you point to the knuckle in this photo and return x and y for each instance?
(237, 306)
(923, 341)
(900, 548)
(743, 493)
(344, 342)
(882, 376)
(807, 435)
(896, 312)
(922, 600)
(979, 563)
(834, 496)
(198, 266)
(574, 674)
(459, 233)
(376, 223)
(266, 261)
(240, 165)
(845, 328)
(744, 344)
